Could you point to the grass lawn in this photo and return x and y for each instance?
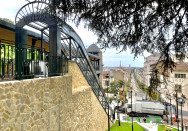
(125, 127)
(162, 128)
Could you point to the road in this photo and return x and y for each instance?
(140, 95)
(137, 93)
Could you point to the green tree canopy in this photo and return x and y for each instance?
(141, 25)
(7, 20)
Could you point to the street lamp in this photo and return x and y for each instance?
(170, 98)
(176, 98)
(131, 107)
(166, 104)
(123, 94)
(181, 101)
(117, 98)
(118, 112)
(107, 80)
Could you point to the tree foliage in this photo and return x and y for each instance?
(7, 20)
(141, 25)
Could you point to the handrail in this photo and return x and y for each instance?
(72, 46)
(34, 64)
(95, 84)
(68, 30)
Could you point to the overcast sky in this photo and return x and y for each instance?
(111, 57)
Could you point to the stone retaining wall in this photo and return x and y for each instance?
(51, 104)
(78, 78)
(34, 104)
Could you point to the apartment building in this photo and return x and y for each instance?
(148, 61)
(175, 81)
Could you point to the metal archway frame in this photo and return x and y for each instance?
(71, 44)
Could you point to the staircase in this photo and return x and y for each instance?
(73, 48)
(71, 44)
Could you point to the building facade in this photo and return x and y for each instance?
(115, 75)
(176, 82)
(148, 61)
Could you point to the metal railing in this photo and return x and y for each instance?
(87, 69)
(35, 62)
(74, 49)
(72, 46)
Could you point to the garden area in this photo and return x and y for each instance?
(165, 128)
(125, 126)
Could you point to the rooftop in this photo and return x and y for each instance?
(181, 66)
(93, 48)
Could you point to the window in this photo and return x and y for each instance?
(180, 75)
(180, 57)
(178, 88)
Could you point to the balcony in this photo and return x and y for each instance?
(30, 63)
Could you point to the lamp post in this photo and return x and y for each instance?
(170, 98)
(131, 108)
(123, 97)
(107, 78)
(181, 101)
(176, 98)
(118, 114)
(166, 108)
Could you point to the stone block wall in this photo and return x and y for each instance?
(51, 104)
(34, 104)
(88, 114)
(85, 103)
(78, 78)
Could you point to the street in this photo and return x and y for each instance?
(137, 95)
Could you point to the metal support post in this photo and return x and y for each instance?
(166, 106)
(119, 113)
(177, 110)
(132, 110)
(181, 118)
(107, 78)
(70, 55)
(108, 109)
(170, 112)
(41, 55)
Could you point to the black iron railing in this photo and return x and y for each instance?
(74, 50)
(72, 46)
(35, 63)
(7, 60)
(78, 55)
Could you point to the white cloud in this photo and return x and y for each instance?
(87, 36)
(9, 8)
